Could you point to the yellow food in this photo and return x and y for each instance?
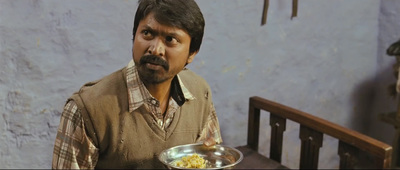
(192, 161)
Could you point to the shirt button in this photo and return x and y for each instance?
(153, 101)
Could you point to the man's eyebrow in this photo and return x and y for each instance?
(156, 32)
(148, 28)
(173, 34)
(176, 33)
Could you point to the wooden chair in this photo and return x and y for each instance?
(312, 130)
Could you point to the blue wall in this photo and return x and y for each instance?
(329, 61)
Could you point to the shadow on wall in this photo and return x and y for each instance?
(364, 116)
(370, 98)
(361, 103)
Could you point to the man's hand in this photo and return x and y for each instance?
(209, 142)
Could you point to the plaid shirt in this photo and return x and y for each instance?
(73, 149)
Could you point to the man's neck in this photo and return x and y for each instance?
(161, 92)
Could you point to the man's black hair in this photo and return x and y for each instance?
(183, 14)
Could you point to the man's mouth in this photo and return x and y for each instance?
(154, 66)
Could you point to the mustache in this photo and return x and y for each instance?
(153, 59)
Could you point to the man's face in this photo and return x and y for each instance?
(159, 51)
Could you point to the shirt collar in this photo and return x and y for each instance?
(138, 93)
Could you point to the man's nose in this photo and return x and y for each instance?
(156, 47)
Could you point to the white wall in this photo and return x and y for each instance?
(329, 61)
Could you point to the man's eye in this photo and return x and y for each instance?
(171, 39)
(146, 33)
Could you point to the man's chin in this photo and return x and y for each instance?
(153, 80)
(152, 77)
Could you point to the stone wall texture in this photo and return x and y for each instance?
(329, 61)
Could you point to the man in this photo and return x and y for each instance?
(127, 118)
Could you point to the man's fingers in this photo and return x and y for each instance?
(209, 142)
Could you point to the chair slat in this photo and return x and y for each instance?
(311, 141)
(253, 127)
(278, 126)
(347, 154)
(386, 163)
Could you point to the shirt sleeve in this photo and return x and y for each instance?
(211, 128)
(73, 149)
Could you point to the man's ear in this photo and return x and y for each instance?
(191, 57)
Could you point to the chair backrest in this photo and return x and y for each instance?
(312, 129)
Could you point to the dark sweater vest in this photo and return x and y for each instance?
(133, 140)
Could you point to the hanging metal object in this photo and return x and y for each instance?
(393, 118)
(265, 12)
(394, 49)
(295, 4)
